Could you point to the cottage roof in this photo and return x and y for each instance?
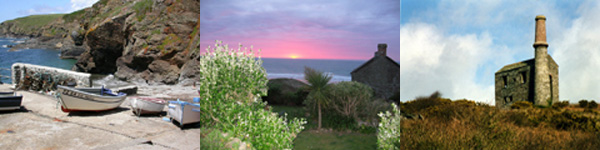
(373, 59)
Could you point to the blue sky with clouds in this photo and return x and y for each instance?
(11, 9)
(455, 47)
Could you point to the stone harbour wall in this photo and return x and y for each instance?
(43, 78)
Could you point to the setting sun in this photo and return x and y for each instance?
(294, 56)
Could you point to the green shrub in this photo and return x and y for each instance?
(338, 121)
(231, 85)
(583, 103)
(521, 105)
(348, 97)
(388, 136)
(593, 105)
(216, 140)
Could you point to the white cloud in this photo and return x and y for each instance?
(431, 61)
(80, 4)
(577, 52)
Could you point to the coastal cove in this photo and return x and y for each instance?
(43, 57)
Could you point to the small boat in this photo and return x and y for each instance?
(184, 112)
(147, 105)
(88, 99)
(9, 101)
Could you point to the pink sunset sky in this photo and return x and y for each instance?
(313, 29)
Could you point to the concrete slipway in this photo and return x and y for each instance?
(40, 124)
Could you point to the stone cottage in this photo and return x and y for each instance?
(381, 73)
(534, 80)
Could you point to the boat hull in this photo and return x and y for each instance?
(88, 99)
(184, 112)
(8, 101)
(147, 105)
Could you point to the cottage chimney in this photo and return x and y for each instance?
(381, 49)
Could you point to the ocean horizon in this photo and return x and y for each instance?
(294, 68)
(275, 67)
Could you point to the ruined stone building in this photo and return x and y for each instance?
(381, 73)
(534, 80)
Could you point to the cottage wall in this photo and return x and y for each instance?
(514, 85)
(382, 75)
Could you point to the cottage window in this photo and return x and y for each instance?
(523, 77)
(505, 81)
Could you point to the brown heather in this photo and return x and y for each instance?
(464, 124)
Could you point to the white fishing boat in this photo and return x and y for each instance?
(184, 112)
(88, 99)
(147, 105)
(10, 101)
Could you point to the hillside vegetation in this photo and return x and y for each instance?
(440, 123)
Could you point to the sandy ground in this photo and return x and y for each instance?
(41, 125)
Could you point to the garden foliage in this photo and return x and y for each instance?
(231, 85)
(318, 94)
(388, 137)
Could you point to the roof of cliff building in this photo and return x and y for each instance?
(524, 63)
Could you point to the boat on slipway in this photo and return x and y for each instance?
(147, 105)
(184, 112)
(88, 99)
(10, 101)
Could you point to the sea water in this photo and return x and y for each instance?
(294, 68)
(276, 68)
(42, 57)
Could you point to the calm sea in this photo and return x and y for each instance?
(276, 68)
(31, 56)
(294, 68)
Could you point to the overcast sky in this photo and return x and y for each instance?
(455, 47)
(11, 9)
(311, 29)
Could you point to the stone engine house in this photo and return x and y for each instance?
(534, 80)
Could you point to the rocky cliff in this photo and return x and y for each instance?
(147, 41)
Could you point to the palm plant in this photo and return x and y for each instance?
(318, 82)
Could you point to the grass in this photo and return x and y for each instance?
(141, 8)
(35, 21)
(74, 15)
(311, 139)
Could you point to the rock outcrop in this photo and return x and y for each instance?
(148, 41)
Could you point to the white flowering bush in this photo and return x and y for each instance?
(230, 87)
(388, 136)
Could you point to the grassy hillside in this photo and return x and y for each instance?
(464, 124)
(34, 21)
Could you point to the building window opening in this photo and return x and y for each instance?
(505, 81)
(523, 77)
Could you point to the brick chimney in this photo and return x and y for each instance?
(381, 49)
(540, 31)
